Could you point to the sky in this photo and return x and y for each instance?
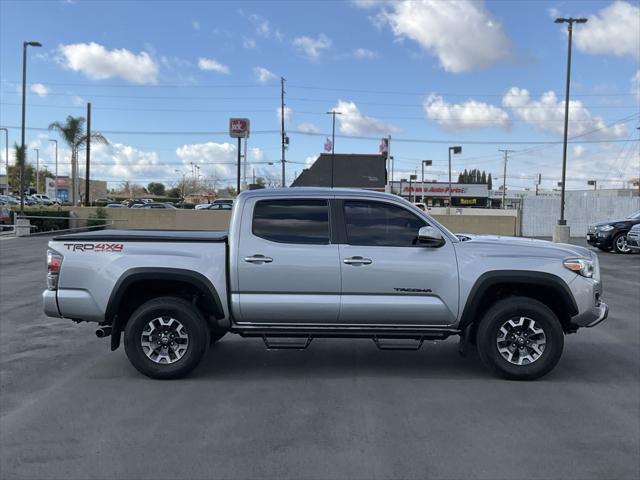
(164, 77)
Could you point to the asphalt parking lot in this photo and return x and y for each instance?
(70, 408)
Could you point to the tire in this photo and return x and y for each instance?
(620, 244)
(532, 364)
(166, 316)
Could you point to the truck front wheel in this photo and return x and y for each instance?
(520, 338)
(166, 338)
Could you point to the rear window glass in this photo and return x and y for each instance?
(292, 221)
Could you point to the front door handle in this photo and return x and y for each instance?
(356, 261)
(258, 259)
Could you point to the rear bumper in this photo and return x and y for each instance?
(50, 304)
(592, 317)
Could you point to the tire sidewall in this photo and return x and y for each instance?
(513, 308)
(186, 314)
(615, 244)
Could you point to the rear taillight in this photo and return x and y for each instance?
(54, 262)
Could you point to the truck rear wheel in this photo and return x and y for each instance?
(520, 338)
(166, 338)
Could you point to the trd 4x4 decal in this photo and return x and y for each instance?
(94, 247)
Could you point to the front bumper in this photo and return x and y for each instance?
(592, 317)
(600, 239)
(633, 242)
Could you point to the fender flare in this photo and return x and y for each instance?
(133, 275)
(514, 277)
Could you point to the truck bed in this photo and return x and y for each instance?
(113, 235)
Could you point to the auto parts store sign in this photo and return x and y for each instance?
(442, 189)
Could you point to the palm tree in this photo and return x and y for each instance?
(73, 133)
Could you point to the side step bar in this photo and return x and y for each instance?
(279, 344)
(398, 343)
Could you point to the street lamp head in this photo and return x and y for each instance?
(456, 149)
(581, 20)
(33, 44)
(427, 162)
(560, 20)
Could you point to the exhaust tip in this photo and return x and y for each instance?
(103, 332)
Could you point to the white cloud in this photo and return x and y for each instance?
(468, 115)
(263, 75)
(368, 3)
(312, 48)
(39, 89)
(209, 64)
(218, 159)
(547, 114)
(461, 33)
(261, 25)
(248, 43)
(353, 122)
(308, 128)
(123, 162)
(364, 54)
(98, 63)
(614, 30)
(578, 151)
(553, 12)
(310, 160)
(635, 85)
(196, 25)
(288, 113)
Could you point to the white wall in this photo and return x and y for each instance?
(540, 214)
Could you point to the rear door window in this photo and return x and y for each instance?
(292, 221)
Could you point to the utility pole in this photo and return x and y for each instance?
(538, 183)
(87, 172)
(561, 233)
(56, 173)
(37, 169)
(504, 175)
(283, 135)
(333, 113)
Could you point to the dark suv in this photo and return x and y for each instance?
(612, 234)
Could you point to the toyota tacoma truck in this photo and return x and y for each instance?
(303, 263)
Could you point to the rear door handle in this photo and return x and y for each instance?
(258, 259)
(356, 261)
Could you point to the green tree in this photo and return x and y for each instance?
(173, 192)
(74, 135)
(155, 188)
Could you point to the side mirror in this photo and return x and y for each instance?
(430, 237)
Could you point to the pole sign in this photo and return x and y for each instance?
(50, 188)
(239, 127)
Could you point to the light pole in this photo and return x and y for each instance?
(56, 172)
(561, 232)
(333, 113)
(37, 169)
(6, 154)
(24, 105)
(456, 150)
(428, 163)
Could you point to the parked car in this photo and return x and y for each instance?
(43, 199)
(612, 234)
(218, 206)
(183, 204)
(202, 206)
(115, 205)
(154, 205)
(131, 202)
(9, 200)
(422, 206)
(633, 238)
(228, 201)
(307, 263)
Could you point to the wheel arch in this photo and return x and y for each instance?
(491, 286)
(167, 280)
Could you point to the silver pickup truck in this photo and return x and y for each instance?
(302, 263)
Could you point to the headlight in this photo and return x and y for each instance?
(605, 228)
(580, 265)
